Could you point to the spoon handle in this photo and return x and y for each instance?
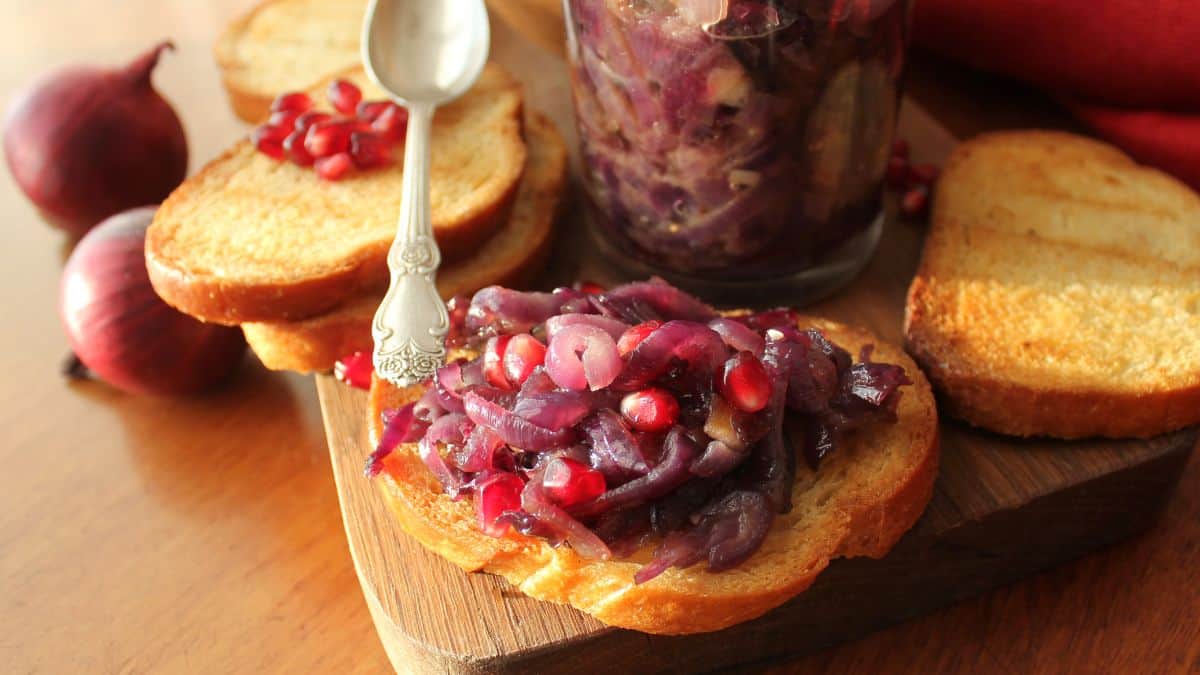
(411, 323)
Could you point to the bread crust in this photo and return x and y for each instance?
(863, 499)
(250, 104)
(984, 391)
(513, 257)
(190, 280)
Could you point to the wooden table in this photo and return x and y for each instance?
(203, 535)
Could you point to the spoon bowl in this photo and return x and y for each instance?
(425, 51)
(423, 54)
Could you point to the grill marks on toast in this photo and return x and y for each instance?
(1059, 290)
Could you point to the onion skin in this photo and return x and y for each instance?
(84, 143)
(123, 331)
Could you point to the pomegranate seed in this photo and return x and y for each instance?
(897, 173)
(493, 361)
(650, 409)
(371, 110)
(589, 287)
(924, 174)
(915, 202)
(306, 120)
(632, 337)
(370, 150)
(283, 118)
(295, 101)
(334, 167)
(269, 140)
(497, 493)
(293, 145)
(344, 96)
(328, 138)
(355, 370)
(569, 482)
(523, 353)
(900, 148)
(391, 124)
(745, 384)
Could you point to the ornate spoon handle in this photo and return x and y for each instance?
(411, 323)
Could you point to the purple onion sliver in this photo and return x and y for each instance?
(611, 326)
(516, 431)
(583, 540)
(678, 452)
(399, 426)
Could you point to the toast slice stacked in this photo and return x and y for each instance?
(859, 503)
(250, 238)
(1059, 290)
(511, 257)
(284, 45)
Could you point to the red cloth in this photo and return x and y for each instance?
(1130, 67)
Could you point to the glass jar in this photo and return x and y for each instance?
(738, 144)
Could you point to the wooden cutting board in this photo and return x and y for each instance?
(1002, 508)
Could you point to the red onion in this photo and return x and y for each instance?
(125, 333)
(614, 450)
(516, 431)
(84, 143)
(581, 357)
(613, 327)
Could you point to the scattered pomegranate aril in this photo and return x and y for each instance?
(306, 120)
(344, 96)
(898, 173)
(269, 140)
(650, 410)
(325, 139)
(493, 361)
(295, 101)
(293, 145)
(334, 168)
(284, 118)
(568, 482)
(589, 287)
(370, 150)
(391, 123)
(915, 202)
(923, 174)
(523, 353)
(355, 370)
(633, 337)
(370, 111)
(494, 496)
(745, 383)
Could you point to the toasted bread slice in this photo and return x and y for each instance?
(863, 498)
(1059, 290)
(250, 238)
(512, 257)
(286, 45)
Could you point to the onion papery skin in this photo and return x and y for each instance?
(124, 332)
(85, 143)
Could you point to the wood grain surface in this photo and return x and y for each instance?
(203, 536)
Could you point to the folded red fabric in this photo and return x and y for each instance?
(1132, 53)
(1130, 67)
(1169, 141)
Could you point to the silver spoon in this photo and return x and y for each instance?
(423, 53)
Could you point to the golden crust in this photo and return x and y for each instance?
(223, 247)
(859, 504)
(1029, 301)
(512, 257)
